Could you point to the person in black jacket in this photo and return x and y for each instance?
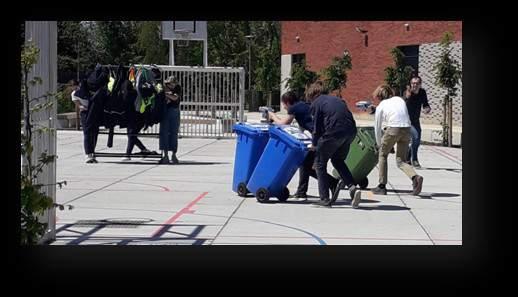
(94, 91)
(135, 121)
(333, 132)
(415, 98)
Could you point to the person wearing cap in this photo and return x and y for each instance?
(170, 123)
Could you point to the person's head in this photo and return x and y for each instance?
(171, 81)
(383, 92)
(415, 84)
(289, 98)
(74, 84)
(314, 90)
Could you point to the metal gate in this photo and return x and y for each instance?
(213, 100)
(44, 37)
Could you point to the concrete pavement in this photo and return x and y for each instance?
(141, 202)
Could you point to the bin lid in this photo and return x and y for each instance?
(295, 132)
(251, 127)
(290, 134)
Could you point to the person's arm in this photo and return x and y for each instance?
(277, 120)
(318, 123)
(77, 103)
(173, 94)
(408, 93)
(378, 119)
(426, 106)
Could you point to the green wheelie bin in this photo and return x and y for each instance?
(362, 157)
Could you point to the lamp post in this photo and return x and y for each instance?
(249, 39)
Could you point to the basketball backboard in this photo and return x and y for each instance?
(181, 30)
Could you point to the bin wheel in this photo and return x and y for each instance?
(262, 195)
(242, 190)
(364, 183)
(284, 195)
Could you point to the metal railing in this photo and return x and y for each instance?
(213, 100)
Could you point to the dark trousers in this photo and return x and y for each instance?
(335, 149)
(415, 132)
(133, 129)
(307, 170)
(169, 127)
(90, 133)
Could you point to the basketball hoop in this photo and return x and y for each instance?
(183, 41)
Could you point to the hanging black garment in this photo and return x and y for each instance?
(114, 107)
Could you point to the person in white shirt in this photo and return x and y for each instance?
(392, 127)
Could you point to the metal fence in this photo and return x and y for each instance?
(213, 100)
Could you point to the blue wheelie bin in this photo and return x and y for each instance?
(281, 158)
(250, 143)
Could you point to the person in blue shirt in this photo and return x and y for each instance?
(300, 111)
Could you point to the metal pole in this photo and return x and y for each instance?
(249, 38)
(249, 66)
(171, 52)
(78, 60)
(205, 53)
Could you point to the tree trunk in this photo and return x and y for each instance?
(445, 121)
(450, 122)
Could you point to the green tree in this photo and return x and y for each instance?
(267, 56)
(227, 43)
(75, 51)
(150, 45)
(190, 54)
(398, 77)
(336, 73)
(447, 76)
(300, 78)
(117, 42)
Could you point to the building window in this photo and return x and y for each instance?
(298, 59)
(411, 56)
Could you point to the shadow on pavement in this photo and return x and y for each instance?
(456, 170)
(85, 232)
(383, 207)
(425, 195)
(145, 162)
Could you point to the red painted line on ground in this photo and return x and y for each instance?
(185, 210)
(166, 189)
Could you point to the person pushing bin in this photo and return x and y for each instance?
(334, 130)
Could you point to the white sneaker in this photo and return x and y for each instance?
(357, 198)
(125, 159)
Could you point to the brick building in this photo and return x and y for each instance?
(369, 44)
